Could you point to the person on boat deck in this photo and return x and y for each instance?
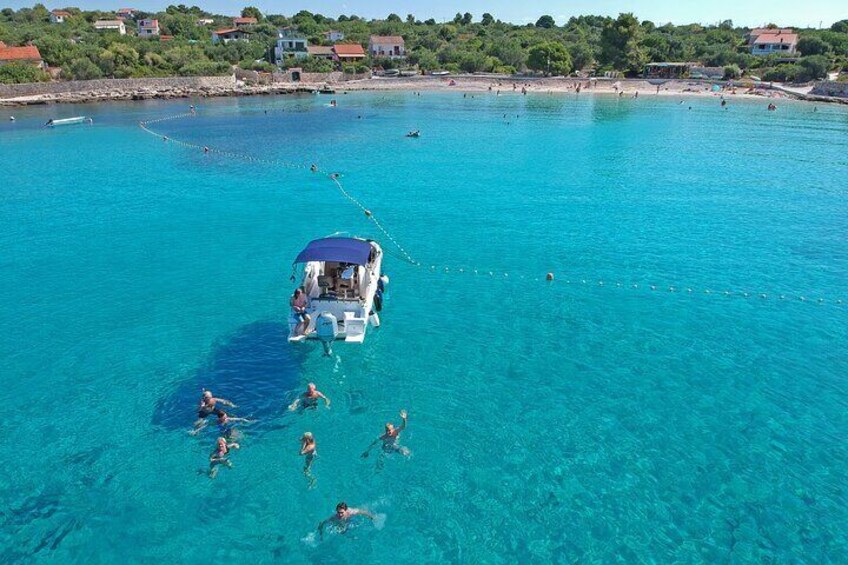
(342, 517)
(219, 456)
(227, 424)
(207, 408)
(391, 438)
(309, 399)
(299, 302)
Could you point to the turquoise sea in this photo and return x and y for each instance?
(590, 419)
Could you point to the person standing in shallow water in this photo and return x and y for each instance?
(391, 438)
(207, 408)
(342, 518)
(309, 450)
(309, 399)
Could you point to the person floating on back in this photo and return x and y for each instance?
(206, 409)
(391, 438)
(309, 399)
(342, 518)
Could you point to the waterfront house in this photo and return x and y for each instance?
(333, 35)
(59, 16)
(25, 55)
(230, 34)
(319, 51)
(391, 46)
(126, 13)
(348, 53)
(148, 28)
(752, 35)
(781, 41)
(290, 44)
(244, 22)
(111, 25)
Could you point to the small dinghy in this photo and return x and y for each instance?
(343, 287)
(68, 121)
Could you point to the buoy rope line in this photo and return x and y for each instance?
(492, 274)
(334, 177)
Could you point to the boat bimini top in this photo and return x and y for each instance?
(338, 249)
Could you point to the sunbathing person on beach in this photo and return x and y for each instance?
(309, 399)
(206, 409)
(390, 438)
(342, 518)
(219, 456)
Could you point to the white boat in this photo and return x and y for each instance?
(344, 285)
(67, 121)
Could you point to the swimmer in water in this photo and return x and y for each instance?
(206, 409)
(391, 438)
(342, 518)
(227, 424)
(309, 399)
(309, 450)
(219, 456)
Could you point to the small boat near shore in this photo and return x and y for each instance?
(68, 121)
(343, 283)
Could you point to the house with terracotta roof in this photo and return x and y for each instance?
(333, 35)
(126, 13)
(59, 16)
(111, 25)
(230, 34)
(391, 46)
(148, 28)
(244, 22)
(24, 55)
(348, 53)
(781, 41)
(758, 31)
(319, 51)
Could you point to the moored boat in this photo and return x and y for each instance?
(343, 284)
(68, 121)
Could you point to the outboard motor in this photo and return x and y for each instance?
(327, 329)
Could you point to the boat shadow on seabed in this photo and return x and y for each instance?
(256, 368)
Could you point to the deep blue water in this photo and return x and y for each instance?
(589, 419)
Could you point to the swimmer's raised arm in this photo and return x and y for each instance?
(403, 418)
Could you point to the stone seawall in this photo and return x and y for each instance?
(117, 85)
(831, 88)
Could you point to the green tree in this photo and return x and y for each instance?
(82, 69)
(546, 22)
(393, 18)
(19, 73)
(812, 45)
(813, 68)
(840, 27)
(487, 19)
(251, 12)
(620, 44)
(467, 18)
(551, 58)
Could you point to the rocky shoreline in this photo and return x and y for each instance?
(208, 87)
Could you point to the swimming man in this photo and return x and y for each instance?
(309, 399)
(391, 438)
(342, 518)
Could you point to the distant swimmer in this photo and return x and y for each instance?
(416, 133)
(309, 451)
(205, 149)
(219, 456)
(342, 518)
(207, 408)
(313, 168)
(227, 424)
(11, 118)
(309, 399)
(391, 438)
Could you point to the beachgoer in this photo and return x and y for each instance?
(309, 399)
(227, 424)
(391, 438)
(299, 302)
(309, 450)
(342, 517)
(219, 456)
(207, 408)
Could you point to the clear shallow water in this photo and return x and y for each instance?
(563, 421)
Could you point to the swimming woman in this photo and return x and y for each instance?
(391, 438)
(206, 409)
(227, 424)
(309, 450)
(219, 456)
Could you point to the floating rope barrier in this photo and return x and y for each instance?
(334, 177)
(549, 277)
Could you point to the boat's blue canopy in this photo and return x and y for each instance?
(340, 249)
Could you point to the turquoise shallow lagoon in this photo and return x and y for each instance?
(570, 422)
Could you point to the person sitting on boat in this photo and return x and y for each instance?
(219, 456)
(207, 408)
(309, 399)
(299, 302)
(342, 517)
(390, 438)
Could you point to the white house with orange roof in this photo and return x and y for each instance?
(59, 16)
(333, 35)
(230, 34)
(391, 46)
(767, 41)
(25, 54)
(148, 28)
